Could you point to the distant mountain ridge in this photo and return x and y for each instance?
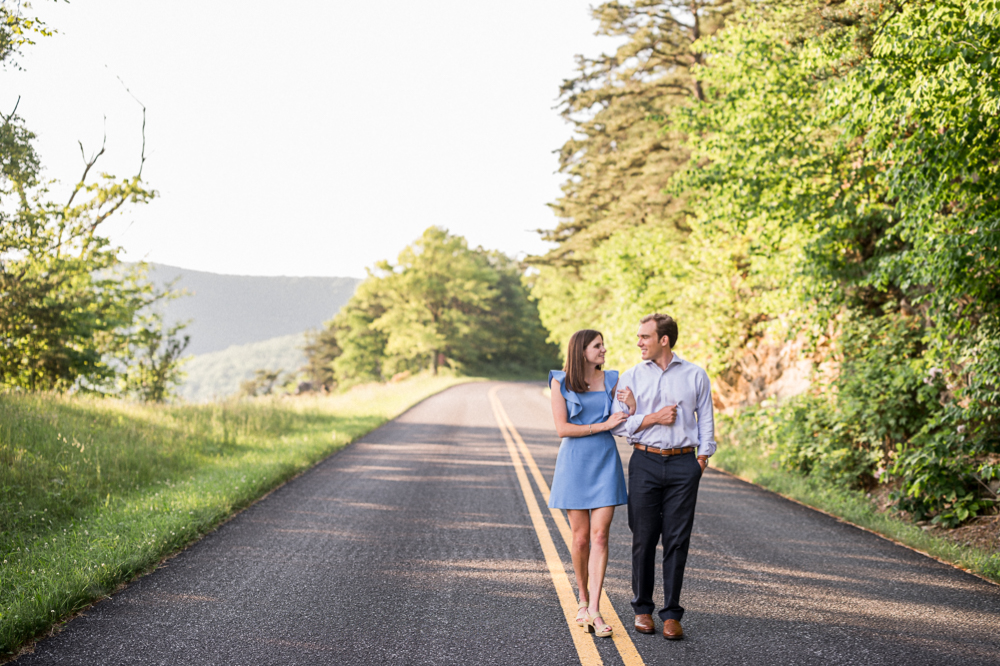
(219, 374)
(228, 310)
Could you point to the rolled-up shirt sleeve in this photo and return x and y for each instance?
(631, 425)
(625, 428)
(706, 418)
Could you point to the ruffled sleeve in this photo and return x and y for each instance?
(610, 381)
(573, 405)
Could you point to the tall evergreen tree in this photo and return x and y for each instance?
(620, 161)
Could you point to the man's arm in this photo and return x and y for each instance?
(638, 422)
(706, 422)
(665, 416)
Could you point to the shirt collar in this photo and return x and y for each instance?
(676, 360)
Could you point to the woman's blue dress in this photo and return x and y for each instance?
(588, 469)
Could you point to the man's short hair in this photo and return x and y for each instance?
(665, 325)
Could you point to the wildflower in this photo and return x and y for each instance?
(960, 429)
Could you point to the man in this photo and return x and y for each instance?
(672, 434)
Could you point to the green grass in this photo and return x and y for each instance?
(753, 462)
(94, 492)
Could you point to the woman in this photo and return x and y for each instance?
(588, 481)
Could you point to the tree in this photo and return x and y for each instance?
(433, 297)
(363, 345)
(262, 383)
(849, 152)
(67, 304)
(321, 349)
(155, 371)
(620, 161)
(442, 302)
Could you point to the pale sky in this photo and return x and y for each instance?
(309, 138)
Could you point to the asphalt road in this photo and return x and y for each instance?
(416, 545)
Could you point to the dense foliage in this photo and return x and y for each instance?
(72, 316)
(442, 303)
(841, 191)
(618, 166)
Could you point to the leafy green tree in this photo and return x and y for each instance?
(67, 305)
(855, 147)
(363, 345)
(261, 384)
(156, 368)
(510, 333)
(441, 302)
(321, 349)
(434, 296)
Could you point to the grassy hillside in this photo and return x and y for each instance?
(218, 374)
(94, 492)
(227, 310)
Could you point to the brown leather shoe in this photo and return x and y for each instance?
(644, 623)
(672, 630)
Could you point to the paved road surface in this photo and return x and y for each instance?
(416, 545)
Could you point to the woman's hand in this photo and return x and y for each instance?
(625, 395)
(614, 420)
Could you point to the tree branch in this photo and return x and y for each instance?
(8, 118)
(88, 164)
(142, 156)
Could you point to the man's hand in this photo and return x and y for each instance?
(665, 416)
(703, 462)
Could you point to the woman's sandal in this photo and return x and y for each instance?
(592, 626)
(581, 618)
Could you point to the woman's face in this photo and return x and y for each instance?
(594, 353)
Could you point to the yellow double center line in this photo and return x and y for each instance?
(584, 643)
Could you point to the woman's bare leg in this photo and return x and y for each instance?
(600, 525)
(579, 523)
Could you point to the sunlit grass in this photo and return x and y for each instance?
(753, 462)
(94, 492)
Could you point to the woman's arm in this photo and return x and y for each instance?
(561, 417)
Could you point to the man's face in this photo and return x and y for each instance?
(650, 345)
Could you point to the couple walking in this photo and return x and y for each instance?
(663, 407)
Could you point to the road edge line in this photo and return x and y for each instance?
(845, 521)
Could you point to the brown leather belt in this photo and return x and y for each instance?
(664, 452)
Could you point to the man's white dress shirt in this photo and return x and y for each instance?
(683, 384)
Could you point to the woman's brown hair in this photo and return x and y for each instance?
(576, 361)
